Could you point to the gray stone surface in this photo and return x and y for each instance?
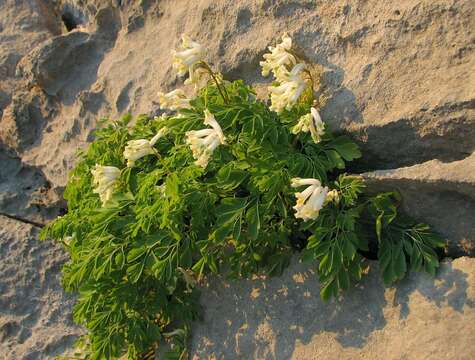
(403, 85)
(401, 74)
(284, 318)
(35, 314)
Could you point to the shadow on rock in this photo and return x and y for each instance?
(449, 289)
(251, 316)
(24, 191)
(272, 318)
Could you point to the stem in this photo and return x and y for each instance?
(213, 76)
(311, 81)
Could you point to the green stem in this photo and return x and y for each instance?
(312, 83)
(218, 85)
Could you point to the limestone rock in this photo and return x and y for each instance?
(284, 318)
(35, 314)
(23, 25)
(401, 75)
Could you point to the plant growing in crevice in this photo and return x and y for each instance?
(221, 183)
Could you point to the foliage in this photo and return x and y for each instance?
(135, 261)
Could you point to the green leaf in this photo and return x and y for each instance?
(254, 221)
(329, 289)
(135, 271)
(347, 149)
(343, 280)
(335, 159)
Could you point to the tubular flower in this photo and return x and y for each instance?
(174, 100)
(187, 59)
(286, 94)
(311, 200)
(204, 142)
(311, 122)
(104, 180)
(278, 57)
(137, 149)
(195, 75)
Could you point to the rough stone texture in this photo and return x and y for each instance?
(284, 318)
(35, 315)
(401, 74)
(403, 85)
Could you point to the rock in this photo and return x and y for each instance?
(35, 314)
(402, 80)
(442, 194)
(397, 116)
(25, 118)
(23, 25)
(25, 193)
(284, 318)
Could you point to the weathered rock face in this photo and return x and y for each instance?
(401, 75)
(35, 315)
(283, 318)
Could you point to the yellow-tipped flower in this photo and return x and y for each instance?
(203, 142)
(173, 100)
(286, 94)
(311, 200)
(137, 149)
(104, 181)
(279, 57)
(311, 122)
(187, 59)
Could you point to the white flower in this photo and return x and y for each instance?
(311, 122)
(137, 149)
(286, 94)
(279, 57)
(104, 180)
(211, 121)
(311, 200)
(186, 60)
(195, 75)
(204, 142)
(303, 124)
(174, 100)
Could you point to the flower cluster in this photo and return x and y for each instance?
(291, 85)
(204, 142)
(173, 100)
(311, 200)
(278, 57)
(104, 181)
(137, 149)
(187, 60)
(311, 122)
(288, 73)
